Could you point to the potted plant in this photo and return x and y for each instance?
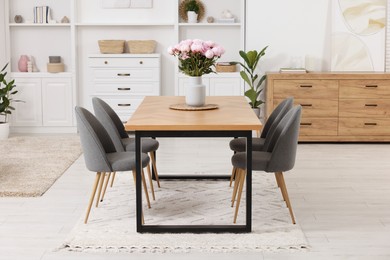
(192, 9)
(249, 75)
(6, 92)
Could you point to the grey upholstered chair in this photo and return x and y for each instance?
(278, 156)
(100, 154)
(121, 139)
(239, 144)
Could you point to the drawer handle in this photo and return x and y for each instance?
(105, 62)
(124, 88)
(306, 86)
(306, 124)
(370, 124)
(124, 74)
(371, 86)
(371, 105)
(124, 105)
(141, 62)
(306, 105)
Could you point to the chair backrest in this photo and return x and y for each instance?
(95, 141)
(277, 115)
(110, 121)
(285, 141)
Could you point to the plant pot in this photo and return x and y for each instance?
(195, 92)
(192, 17)
(257, 111)
(4, 131)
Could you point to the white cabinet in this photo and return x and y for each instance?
(227, 84)
(47, 102)
(123, 80)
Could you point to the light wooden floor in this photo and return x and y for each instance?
(340, 195)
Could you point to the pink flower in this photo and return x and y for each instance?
(171, 50)
(196, 47)
(210, 44)
(218, 51)
(209, 54)
(184, 47)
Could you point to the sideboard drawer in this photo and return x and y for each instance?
(364, 108)
(364, 126)
(318, 126)
(126, 88)
(315, 107)
(364, 89)
(138, 62)
(126, 74)
(123, 104)
(325, 89)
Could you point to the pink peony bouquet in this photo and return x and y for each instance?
(196, 57)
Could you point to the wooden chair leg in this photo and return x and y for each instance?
(94, 187)
(145, 188)
(277, 180)
(112, 179)
(151, 181)
(242, 180)
(284, 190)
(277, 176)
(153, 159)
(236, 184)
(233, 176)
(144, 185)
(105, 186)
(102, 177)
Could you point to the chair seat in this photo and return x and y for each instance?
(125, 161)
(148, 144)
(239, 144)
(260, 160)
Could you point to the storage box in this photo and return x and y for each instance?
(111, 46)
(141, 46)
(225, 67)
(55, 67)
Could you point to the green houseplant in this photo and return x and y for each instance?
(7, 90)
(249, 75)
(192, 8)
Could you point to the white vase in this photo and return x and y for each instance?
(257, 111)
(195, 92)
(4, 131)
(192, 17)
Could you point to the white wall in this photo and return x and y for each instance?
(292, 29)
(3, 58)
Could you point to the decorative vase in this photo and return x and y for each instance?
(192, 17)
(22, 64)
(195, 92)
(257, 111)
(4, 131)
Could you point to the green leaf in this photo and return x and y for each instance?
(4, 67)
(252, 56)
(11, 107)
(244, 56)
(261, 81)
(245, 77)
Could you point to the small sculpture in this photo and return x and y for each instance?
(18, 19)
(210, 19)
(227, 14)
(65, 19)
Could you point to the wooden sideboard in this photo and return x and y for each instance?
(336, 107)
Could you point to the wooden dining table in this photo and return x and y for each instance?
(154, 118)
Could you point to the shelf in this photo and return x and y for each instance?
(40, 75)
(39, 24)
(213, 75)
(124, 55)
(123, 24)
(210, 24)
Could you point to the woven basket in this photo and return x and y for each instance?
(140, 47)
(225, 68)
(111, 46)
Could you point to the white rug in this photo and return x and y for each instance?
(111, 227)
(29, 165)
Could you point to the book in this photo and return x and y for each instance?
(293, 70)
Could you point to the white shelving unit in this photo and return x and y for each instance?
(89, 22)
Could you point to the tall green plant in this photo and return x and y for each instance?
(6, 92)
(249, 75)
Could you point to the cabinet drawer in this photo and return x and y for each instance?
(123, 104)
(364, 88)
(318, 126)
(126, 88)
(315, 107)
(139, 62)
(364, 126)
(126, 74)
(364, 107)
(325, 89)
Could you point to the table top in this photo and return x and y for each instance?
(154, 114)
